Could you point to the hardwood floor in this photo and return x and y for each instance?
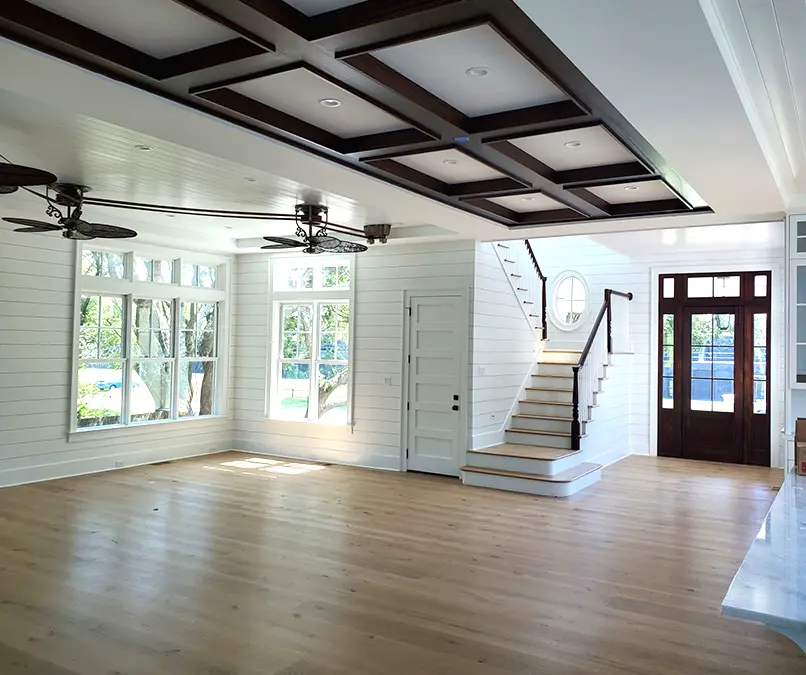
(208, 567)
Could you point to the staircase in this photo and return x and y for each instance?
(537, 457)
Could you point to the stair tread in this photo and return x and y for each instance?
(567, 391)
(555, 377)
(525, 452)
(562, 351)
(543, 417)
(569, 405)
(568, 476)
(537, 432)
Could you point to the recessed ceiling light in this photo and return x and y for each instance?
(227, 227)
(632, 188)
(477, 71)
(249, 179)
(144, 148)
(450, 162)
(573, 144)
(527, 199)
(170, 215)
(330, 103)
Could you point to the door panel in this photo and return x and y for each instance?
(436, 332)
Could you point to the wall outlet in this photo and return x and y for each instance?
(119, 465)
(493, 417)
(480, 370)
(387, 381)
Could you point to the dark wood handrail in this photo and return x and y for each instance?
(544, 314)
(605, 311)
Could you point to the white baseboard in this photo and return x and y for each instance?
(609, 457)
(90, 465)
(488, 440)
(378, 462)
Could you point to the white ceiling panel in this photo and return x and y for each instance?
(528, 203)
(630, 193)
(314, 7)
(450, 166)
(160, 28)
(300, 92)
(576, 149)
(511, 81)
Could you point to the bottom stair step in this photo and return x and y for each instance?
(530, 459)
(560, 485)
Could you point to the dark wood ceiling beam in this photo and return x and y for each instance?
(219, 54)
(648, 209)
(485, 188)
(272, 117)
(280, 12)
(524, 159)
(540, 118)
(384, 141)
(604, 175)
(221, 20)
(408, 174)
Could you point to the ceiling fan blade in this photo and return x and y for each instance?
(345, 247)
(16, 175)
(40, 225)
(286, 242)
(8, 189)
(325, 241)
(98, 230)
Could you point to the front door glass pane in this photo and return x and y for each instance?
(713, 359)
(760, 364)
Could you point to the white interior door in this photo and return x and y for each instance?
(437, 332)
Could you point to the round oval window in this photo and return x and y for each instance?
(570, 300)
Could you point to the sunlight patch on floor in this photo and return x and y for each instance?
(270, 468)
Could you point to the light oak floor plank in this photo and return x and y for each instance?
(234, 565)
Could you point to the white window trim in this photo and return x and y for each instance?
(129, 289)
(555, 317)
(317, 298)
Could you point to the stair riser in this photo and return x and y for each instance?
(523, 465)
(542, 425)
(553, 382)
(538, 439)
(549, 395)
(559, 357)
(531, 487)
(554, 369)
(545, 409)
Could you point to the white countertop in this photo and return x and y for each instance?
(770, 586)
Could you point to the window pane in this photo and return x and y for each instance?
(102, 264)
(701, 362)
(760, 330)
(724, 329)
(207, 276)
(760, 398)
(801, 244)
(668, 361)
(332, 385)
(88, 342)
(802, 228)
(723, 363)
(702, 330)
(668, 329)
(760, 364)
(701, 394)
(668, 288)
(151, 391)
(142, 269)
(98, 400)
(801, 327)
(198, 336)
(801, 363)
(727, 287)
(701, 287)
(153, 327)
(668, 392)
(334, 332)
(188, 274)
(723, 396)
(163, 271)
(112, 312)
(294, 391)
(196, 388)
(761, 286)
(802, 284)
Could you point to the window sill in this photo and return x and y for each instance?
(143, 428)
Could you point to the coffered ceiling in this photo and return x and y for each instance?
(466, 102)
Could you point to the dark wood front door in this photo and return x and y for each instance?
(713, 367)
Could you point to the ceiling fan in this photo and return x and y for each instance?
(66, 202)
(316, 239)
(69, 219)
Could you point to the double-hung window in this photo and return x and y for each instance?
(147, 346)
(311, 374)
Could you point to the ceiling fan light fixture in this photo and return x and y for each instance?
(330, 103)
(378, 232)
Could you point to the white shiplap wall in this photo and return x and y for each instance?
(37, 277)
(627, 262)
(382, 276)
(503, 349)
